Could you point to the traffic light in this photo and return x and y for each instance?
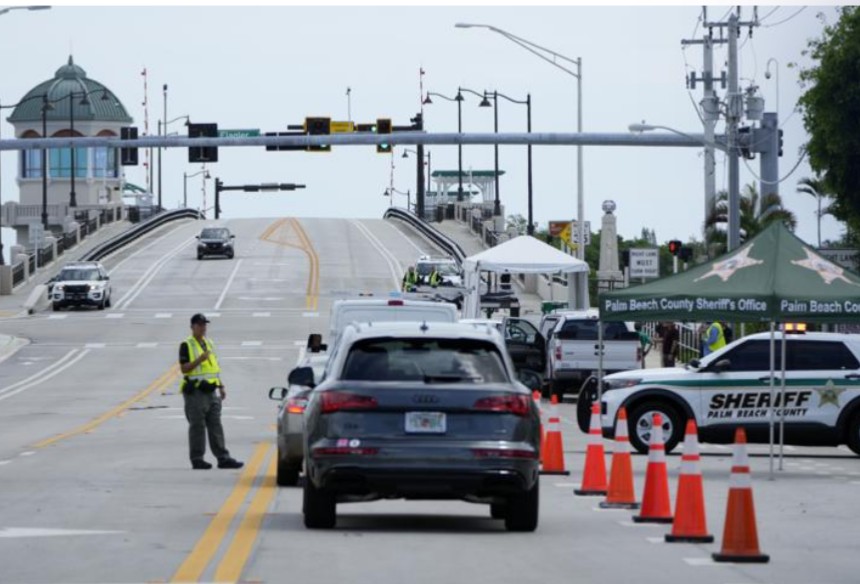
(685, 254)
(675, 247)
(202, 153)
(780, 142)
(383, 126)
(128, 156)
(318, 127)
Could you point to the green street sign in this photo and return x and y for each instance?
(246, 133)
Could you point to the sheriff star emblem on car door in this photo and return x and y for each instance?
(829, 394)
(727, 268)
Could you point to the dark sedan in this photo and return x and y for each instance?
(422, 411)
(217, 241)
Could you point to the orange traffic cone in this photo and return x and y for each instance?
(536, 400)
(620, 494)
(656, 507)
(594, 473)
(740, 536)
(690, 525)
(553, 461)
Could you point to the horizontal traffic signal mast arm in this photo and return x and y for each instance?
(369, 139)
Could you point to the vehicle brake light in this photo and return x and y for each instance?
(506, 403)
(345, 451)
(503, 453)
(558, 352)
(395, 303)
(296, 406)
(334, 401)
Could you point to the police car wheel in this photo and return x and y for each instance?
(854, 433)
(641, 420)
(288, 473)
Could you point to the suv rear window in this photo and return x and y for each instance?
(421, 359)
(818, 356)
(586, 330)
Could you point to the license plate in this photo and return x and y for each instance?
(426, 423)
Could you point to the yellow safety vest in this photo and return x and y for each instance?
(434, 278)
(721, 337)
(208, 370)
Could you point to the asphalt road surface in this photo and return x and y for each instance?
(95, 483)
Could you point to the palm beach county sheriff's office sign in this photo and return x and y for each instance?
(774, 277)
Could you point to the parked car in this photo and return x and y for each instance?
(81, 284)
(450, 273)
(215, 241)
(732, 387)
(422, 411)
(573, 354)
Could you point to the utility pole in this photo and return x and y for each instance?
(418, 125)
(734, 113)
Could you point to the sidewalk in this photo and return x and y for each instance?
(12, 305)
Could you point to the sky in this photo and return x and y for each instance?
(267, 67)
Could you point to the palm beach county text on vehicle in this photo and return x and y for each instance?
(815, 306)
(687, 304)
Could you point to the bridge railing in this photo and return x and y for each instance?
(444, 242)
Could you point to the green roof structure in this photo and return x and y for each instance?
(466, 174)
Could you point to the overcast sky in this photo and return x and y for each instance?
(268, 67)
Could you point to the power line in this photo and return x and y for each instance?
(769, 14)
(784, 20)
(776, 182)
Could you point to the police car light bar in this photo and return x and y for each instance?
(795, 328)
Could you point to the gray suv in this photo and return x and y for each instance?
(421, 411)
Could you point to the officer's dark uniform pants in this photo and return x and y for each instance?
(203, 412)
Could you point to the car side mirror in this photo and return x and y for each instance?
(232, 237)
(301, 376)
(722, 365)
(695, 363)
(196, 237)
(278, 393)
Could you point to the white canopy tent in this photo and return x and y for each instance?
(521, 255)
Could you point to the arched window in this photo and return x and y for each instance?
(105, 160)
(31, 160)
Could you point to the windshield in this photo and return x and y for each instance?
(428, 360)
(214, 234)
(78, 275)
(444, 268)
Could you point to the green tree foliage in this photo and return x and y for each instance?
(754, 217)
(517, 223)
(831, 112)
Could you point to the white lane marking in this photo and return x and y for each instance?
(566, 485)
(5, 462)
(163, 315)
(141, 250)
(394, 266)
(300, 343)
(28, 453)
(655, 539)
(704, 562)
(57, 316)
(94, 346)
(227, 285)
(261, 314)
(149, 275)
(633, 524)
(213, 314)
(147, 345)
(251, 343)
(19, 532)
(310, 314)
(46, 373)
(115, 315)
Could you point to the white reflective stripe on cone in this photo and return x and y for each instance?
(656, 449)
(691, 444)
(740, 479)
(690, 466)
(740, 457)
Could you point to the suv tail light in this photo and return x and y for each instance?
(504, 403)
(334, 401)
(344, 451)
(395, 303)
(558, 352)
(296, 405)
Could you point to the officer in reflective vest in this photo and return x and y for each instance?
(434, 278)
(203, 392)
(410, 279)
(715, 338)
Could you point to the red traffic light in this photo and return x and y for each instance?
(675, 247)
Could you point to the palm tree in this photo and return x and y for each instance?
(755, 216)
(815, 187)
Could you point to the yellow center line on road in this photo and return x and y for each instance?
(163, 381)
(233, 563)
(305, 245)
(195, 564)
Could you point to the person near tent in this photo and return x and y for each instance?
(713, 339)
(670, 344)
(644, 340)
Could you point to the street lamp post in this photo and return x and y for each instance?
(406, 152)
(73, 198)
(497, 209)
(459, 100)
(528, 103)
(553, 58)
(389, 192)
(185, 177)
(46, 106)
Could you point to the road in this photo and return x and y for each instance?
(95, 485)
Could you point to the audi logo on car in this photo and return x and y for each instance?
(425, 398)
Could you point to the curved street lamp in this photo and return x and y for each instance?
(459, 99)
(185, 177)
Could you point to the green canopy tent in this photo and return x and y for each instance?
(775, 277)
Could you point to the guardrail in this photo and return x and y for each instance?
(18, 274)
(444, 242)
(138, 231)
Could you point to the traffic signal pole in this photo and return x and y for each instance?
(221, 187)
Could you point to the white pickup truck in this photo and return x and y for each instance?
(573, 351)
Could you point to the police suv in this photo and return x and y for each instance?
(731, 388)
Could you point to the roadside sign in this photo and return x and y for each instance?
(845, 257)
(556, 227)
(241, 133)
(645, 263)
(341, 127)
(570, 235)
